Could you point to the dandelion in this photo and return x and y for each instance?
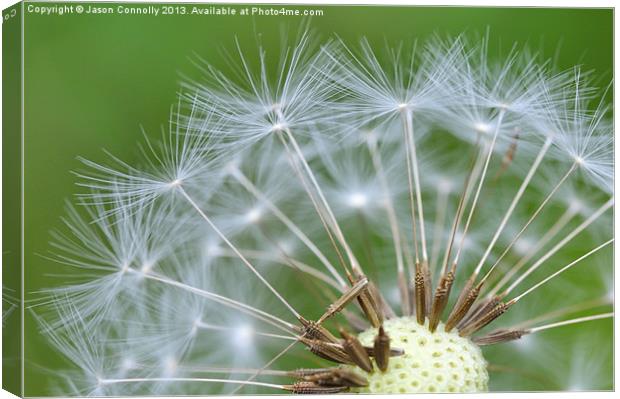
(351, 223)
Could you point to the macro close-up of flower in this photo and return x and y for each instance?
(329, 216)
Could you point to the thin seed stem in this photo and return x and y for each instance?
(354, 263)
(562, 221)
(440, 217)
(587, 305)
(463, 199)
(572, 321)
(267, 365)
(480, 185)
(315, 204)
(247, 184)
(232, 370)
(179, 379)
(409, 259)
(393, 222)
(563, 269)
(408, 127)
(514, 202)
(411, 187)
(561, 244)
(365, 232)
(287, 261)
(236, 251)
(257, 313)
(531, 219)
(208, 326)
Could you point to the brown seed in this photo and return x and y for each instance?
(420, 295)
(393, 351)
(442, 293)
(485, 319)
(337, 377)
(368, 302)
(382, 349)
(354, 348)
(376, 301)
(463, 305)
(499, 337)
(300, 373)
(344, 300)
(305, 387)
(428, 285)
(484, 306)
(327, 350)
(382, 304)
(313, 330)
(370, 308)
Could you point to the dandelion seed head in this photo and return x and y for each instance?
(269, 200)
(433, 362)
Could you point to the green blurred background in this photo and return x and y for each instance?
(91, 81)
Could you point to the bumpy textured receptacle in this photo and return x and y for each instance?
(433, 362)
